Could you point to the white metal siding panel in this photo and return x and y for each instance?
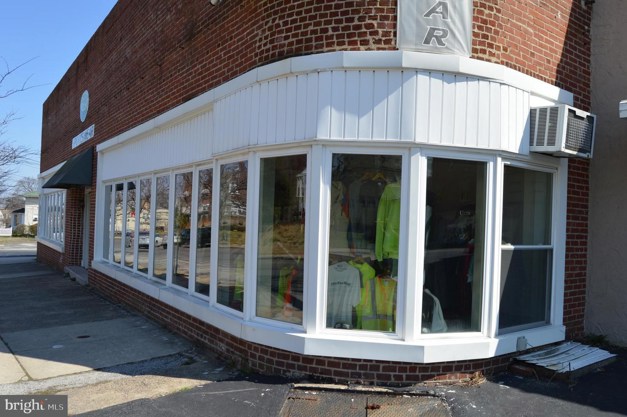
(351, 122)
(281, 110)
(357, 105)
(423, 107)
(495, 139)
(460, 122)
(323, 107)
(291, 99)
(449, 87)
(408, 106)
(472, 113)
(301, 99)
(262, 134)
(379, 113)
(312, 111)
(366, 98)
(337, 106)
(393, 127)
(436, 90)
(185, 143)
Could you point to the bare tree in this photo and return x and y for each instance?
(11, 155)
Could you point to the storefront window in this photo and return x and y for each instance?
(129, 252)
(160, 257)
(106, 238)
(526, 250)
(281, 241)
(203, 231)
(364, 242)
(232, 234)
(143, 240)
(182, 227)
(454, 245)
(118, 210)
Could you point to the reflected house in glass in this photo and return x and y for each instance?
(364, 201)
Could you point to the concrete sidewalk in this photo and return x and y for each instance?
(59, 337)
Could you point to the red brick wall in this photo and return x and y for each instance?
(149, 57)
(267, 360)
(576, 247)
(548, 39)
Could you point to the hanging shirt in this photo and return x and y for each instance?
(342, 295)
(365, 307)
(388, 223)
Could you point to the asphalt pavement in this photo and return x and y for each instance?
(60, 337)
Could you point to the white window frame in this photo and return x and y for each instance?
(312, 338)
(490, 192)
(323, 247)
(52, 218)
(254, 183)
(217, 177)
(559, 171)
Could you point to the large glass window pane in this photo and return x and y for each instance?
(454, 245)
(118, 225)
(129, 235)
(182, 224)
(281, 241)
(160, 257)
(364, 242)
(143, 242)
(526, 251)
(203, 231)
(106, 233)
(232, 234)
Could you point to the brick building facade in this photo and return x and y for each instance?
(178, 90)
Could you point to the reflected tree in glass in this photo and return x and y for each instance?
(182, 228)
(143, 240)
(118, 211)
(203, 231)
(232, 234)
(281, 241)
(129, 236)
(160, 258)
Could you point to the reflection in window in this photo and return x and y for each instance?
(281, 249)
(129, 234)
(454, 245)
(106, 238)
(526, 251)
(143, 239)
(232, 234)
(119, 218)
(363, 242)
(160, 258)
(182, 224)
(203, 231)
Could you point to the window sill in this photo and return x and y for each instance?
(430, 350)
(58, 246)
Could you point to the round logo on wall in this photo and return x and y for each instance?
(84, 105)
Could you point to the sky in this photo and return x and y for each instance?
(46, 36)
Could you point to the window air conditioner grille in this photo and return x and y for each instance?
(579, 131)
(562, 131)
(551, 136)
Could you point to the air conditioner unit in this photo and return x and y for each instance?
(562, 131)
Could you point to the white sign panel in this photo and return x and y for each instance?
(84, 136)
(435, 26)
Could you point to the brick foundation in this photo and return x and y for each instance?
(272, 361)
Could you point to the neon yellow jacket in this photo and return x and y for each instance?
(388, 222)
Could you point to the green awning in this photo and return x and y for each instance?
(76, 172)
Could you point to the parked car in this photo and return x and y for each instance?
(144, 240)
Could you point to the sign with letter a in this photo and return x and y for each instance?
(440, 26)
